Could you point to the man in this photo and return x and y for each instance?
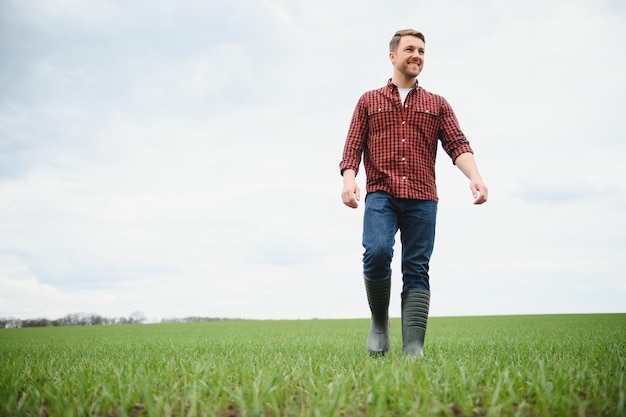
(396, 129)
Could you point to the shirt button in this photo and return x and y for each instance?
(403, 122)
(403, 178)
(403, 159)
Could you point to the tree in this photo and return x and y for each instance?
(137, 317)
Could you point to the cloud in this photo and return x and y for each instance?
(564, 194)
(182, 159)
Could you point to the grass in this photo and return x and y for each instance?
(557, 365)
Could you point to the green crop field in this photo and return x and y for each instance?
(553, 365)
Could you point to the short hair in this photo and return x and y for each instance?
(395, 40)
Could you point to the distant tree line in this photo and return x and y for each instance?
(195, 319)
(82, 319)
(73, 319)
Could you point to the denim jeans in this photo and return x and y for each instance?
(384, 216)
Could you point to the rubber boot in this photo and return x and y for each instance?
(378, 292)
(415, 305)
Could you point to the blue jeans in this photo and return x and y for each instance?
(384, 216)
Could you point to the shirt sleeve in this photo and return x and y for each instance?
(452, 138)
(356, 139)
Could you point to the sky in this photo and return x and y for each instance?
(181, 158)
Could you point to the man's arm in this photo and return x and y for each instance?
(467, 165)
(352, 153)
(351, 193)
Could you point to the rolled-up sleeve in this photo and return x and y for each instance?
(452, 138)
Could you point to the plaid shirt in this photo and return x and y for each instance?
(399, 142)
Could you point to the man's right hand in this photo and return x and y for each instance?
(351, 193)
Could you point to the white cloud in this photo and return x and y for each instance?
(182, 159)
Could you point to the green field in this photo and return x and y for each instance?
(554, 365)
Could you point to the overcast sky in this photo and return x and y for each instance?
(181, 157)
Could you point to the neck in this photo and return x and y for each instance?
(401, 81)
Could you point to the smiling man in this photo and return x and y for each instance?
(396, 130)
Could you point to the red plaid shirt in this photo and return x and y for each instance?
(399, 142)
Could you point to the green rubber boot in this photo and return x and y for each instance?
(378, 292)
(415, 305)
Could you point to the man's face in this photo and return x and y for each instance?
(408, 60)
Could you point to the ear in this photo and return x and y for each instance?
(392, 57)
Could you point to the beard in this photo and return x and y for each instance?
(411, 70)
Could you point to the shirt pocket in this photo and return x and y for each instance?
(425, 120)
(380, 118)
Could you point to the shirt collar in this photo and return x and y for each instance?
(392, 85)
